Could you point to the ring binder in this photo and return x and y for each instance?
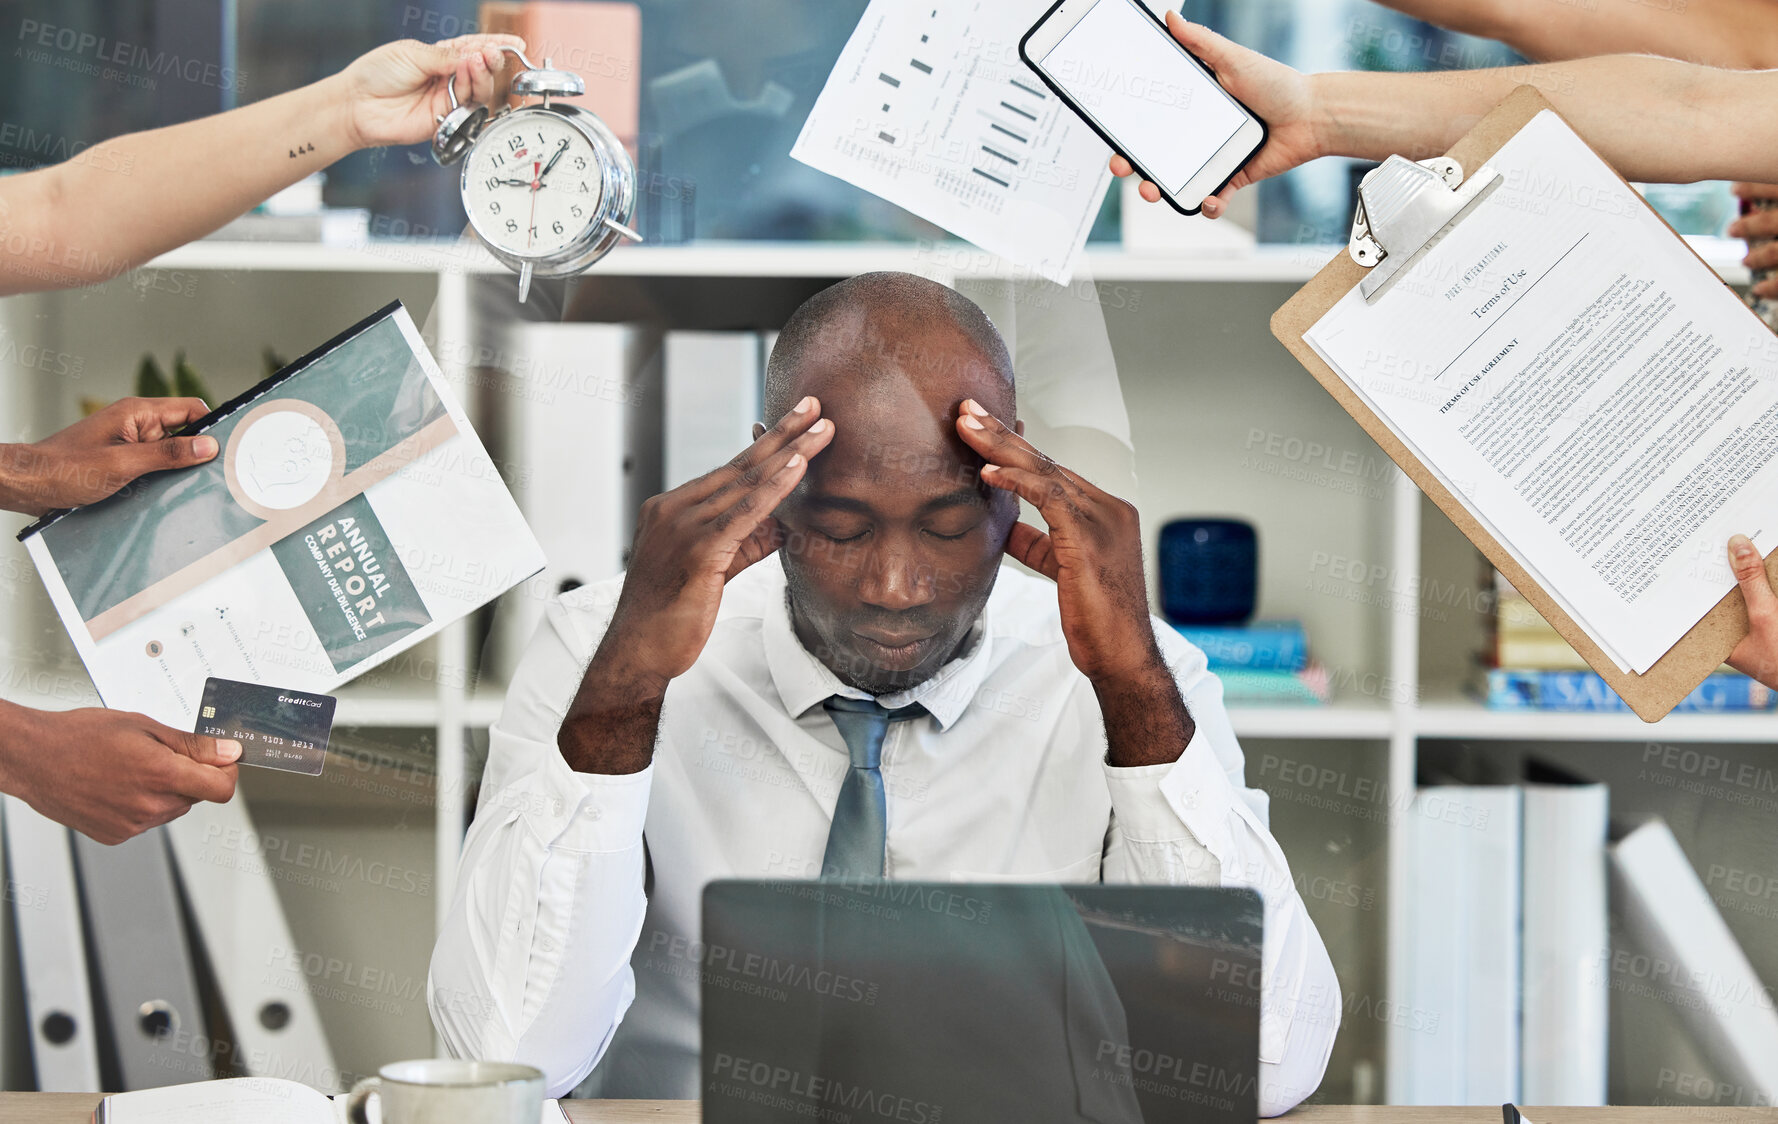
(1404, 208)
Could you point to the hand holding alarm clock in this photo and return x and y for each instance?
(547, 187)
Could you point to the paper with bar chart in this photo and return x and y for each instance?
(931, 108)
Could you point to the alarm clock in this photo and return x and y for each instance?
(548, 188)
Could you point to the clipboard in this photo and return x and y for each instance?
(1702, 649)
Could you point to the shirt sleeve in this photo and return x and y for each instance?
(533, 962)
(1194, 822)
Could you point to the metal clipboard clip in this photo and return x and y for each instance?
(1404, 208)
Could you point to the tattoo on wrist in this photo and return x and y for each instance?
(302, 150)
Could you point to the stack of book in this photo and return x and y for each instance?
(1264, 663)
(1533, 668)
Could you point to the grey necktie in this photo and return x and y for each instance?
(860, 833)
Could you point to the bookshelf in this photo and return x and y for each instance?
(1224, 421)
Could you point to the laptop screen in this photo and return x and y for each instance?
(958, 1003)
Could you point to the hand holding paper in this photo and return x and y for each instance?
(1757, 654)
(97, 455)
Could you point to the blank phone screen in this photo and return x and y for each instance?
(1162, 108)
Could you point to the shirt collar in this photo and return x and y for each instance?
(804, 682)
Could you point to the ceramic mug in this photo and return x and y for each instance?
(437, 1090)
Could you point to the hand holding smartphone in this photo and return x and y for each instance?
(1115, 64)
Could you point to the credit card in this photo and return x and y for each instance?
(277, 728)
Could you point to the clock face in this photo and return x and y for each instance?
(532, 184)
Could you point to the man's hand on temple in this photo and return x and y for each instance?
(1093, 552)
(689, 543)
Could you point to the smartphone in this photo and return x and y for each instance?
(1118, 67)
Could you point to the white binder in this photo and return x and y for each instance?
(52, 952)
(234, 903)
(144, 981)
(1463, 982)
(1566, 995)
(712, 400)
(583, 428)
(1669, 915)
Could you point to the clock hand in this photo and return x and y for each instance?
(563, 147)
(531, 226)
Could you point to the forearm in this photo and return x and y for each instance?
(16, 491)
(611, 726)
(1489, 19)
(1652, 119)
(1146, 720)
(1728, 33)
(15, 739)
(543, 977)
(128, 199)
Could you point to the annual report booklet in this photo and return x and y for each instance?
(1604, 406)
(351, 513)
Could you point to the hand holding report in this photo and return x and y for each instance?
(1603, 404)
(351, 513)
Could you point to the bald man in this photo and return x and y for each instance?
(817, 666)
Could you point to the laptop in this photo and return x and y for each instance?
(970, 1003)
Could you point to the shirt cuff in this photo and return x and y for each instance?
(1188, 799)
(594, 813)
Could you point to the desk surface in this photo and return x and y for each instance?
(77, 1108)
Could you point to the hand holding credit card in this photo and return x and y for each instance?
(277, 728)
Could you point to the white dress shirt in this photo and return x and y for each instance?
(552, 954)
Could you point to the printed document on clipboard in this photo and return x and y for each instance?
(1605, 407)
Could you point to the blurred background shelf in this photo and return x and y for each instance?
(1466, 718)
(1265, 262)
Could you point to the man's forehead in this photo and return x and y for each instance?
(856, 349)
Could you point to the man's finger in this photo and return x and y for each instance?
(442, 58)
(1050, 495)
(766, 538)
(739, 524)
(1032, 547)
(1219, 53)
(204, 750)
(1000, 444)
(1755, 190)
(802, 418)
(131, 461)
(1755, 225)
(1120, 166)
(760, 473)
(202, 782)
(1750, 575)
(1762, 256)
(171, 413)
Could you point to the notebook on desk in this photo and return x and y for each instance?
(939, 1002)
